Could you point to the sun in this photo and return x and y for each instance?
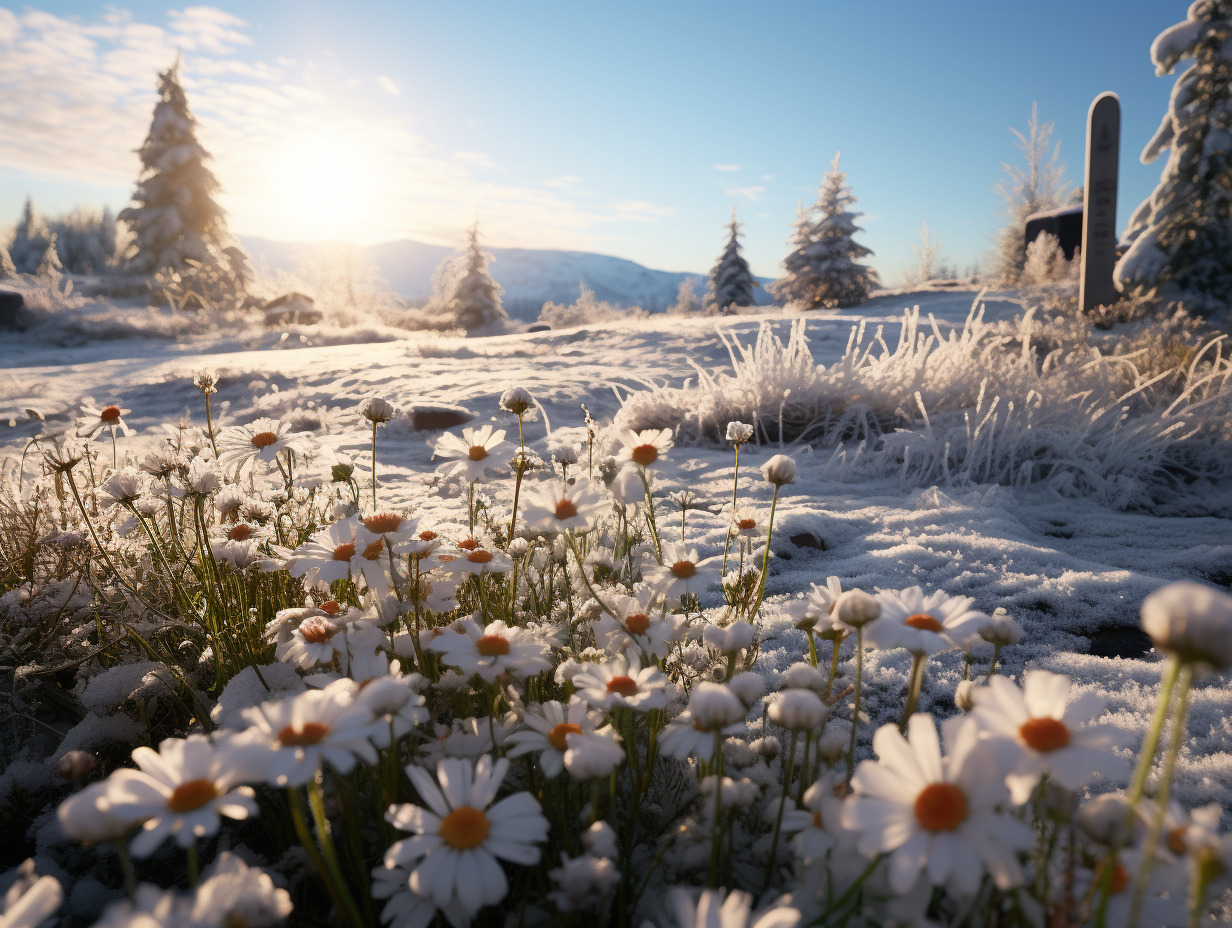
(321, 185)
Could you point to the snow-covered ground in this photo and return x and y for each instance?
(1071, 571)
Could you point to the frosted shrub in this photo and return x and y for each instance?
(587, 310)
(975, 405)
(1045, 262)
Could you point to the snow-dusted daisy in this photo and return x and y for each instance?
(316, 640)
(816, 608)
(491, 651)
(1054, 734)
(31, 900)
(634, 622)
(622, 682)
(461, 834)
(478, 560)
(643, 448)
(816, 827)
(470, 455)
(714, 711)
(235, 895)
(108, 419)
(330, 554)
(681, 573)
(260, 440)
(937, 814)
(552, 508)
(548, 725)
(179, 791)
(717, 908)
(923, 624)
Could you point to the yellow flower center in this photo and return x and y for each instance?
(492, 645)
(479, 557)
(940, 807)
(477, 453)
(331, 606)
(817, 822)
(1044, 734)
(191, 795)
(622, 685)
(1120, 878)
(110, 414)
(263, 439)
(241, 532)
(644, 455)
(317, 630)
(638, 623)
(344, 552)
(382, 523)
(373, 551)
(302, 736)
(556, 737)
(565, 509)
(745, 524)
(683, 570)
(427, 535)
(464, 828)
(1176, 840)
(924, 622)
(702, 727)
(468, 544)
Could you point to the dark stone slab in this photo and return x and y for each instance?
(430, 418)
(11, 305)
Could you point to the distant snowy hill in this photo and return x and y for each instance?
(530, 277)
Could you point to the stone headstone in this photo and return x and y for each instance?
(1099, 203)
(291, 309)
(10, 308)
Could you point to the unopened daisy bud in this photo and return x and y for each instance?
(736, 794)
(341, 472)
(592, 756)
(123, 487)
(517, 400)
(856, 608)
(748, 686)
(801, 676)
(715, 706)
(1192, 621)
(600, 839)
(768, 747)
(779, 470)
(729, 640)
(739, 432)
(1001, 629)
(1106, 819)
(376, 410)
(627, 486)
(206, 381)
(737, 752)
(962, 696)
(1058, 802)
(76, 764)
(203, 477)
(66, 455)
(798, 710)
(565, 452)
(832, 746)
(517, 548)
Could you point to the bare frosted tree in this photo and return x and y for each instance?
(463, 291)
(1035, 186)
(927, 253)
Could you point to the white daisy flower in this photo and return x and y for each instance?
(716, 908)
(261, 440)
(106, 419)
(937, 814)
(923, 624)
(470, 455)
(816, 608)
(1054, 734)
(681, 573)
(393, 527)
(638, 625)
(622, 681)
(328, 555)
(552, 508)
(817, 826)
(478, 560)
(593, 755)
(405, 908)
(745, 524)
(461, 835)
(548, 725)
(643, 448)
(713, 710)
(1192, 621)
(31, 899)
(491, 651)
(316, 640)
(235, 895)
(180, 791)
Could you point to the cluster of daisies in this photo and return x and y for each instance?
(555, 711)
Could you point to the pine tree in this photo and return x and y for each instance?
(823, 268)
(1180, 239)
(464, 291)
(731, 281)
(29, 240)
(1035, 188)
(179, 231)
(49, 266)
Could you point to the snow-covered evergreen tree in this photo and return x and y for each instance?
(179, 231)
(49, 266)
(463, 290)
(1180, 239)
(30, 240)
(823, 267)
(1037, 186)
(731, 282)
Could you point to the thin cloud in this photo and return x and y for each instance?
(641, 210)
(727, 167)
(387, 84)
(749, 193)
(563, 183)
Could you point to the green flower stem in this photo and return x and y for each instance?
(374, 466)
(788, 772)
(209, 425)
(316, 802)
(918, 660)
(765, 557)
(650, 516)
(812, 648)
(735, 487)
(1149, 745)
(716, 830)
(837, 642)
(855, 705)
(194, 873)
(1161, 795)
(996, 654)
(126, 867)
(314, 856)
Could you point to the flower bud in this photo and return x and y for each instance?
(798, 710)
(779, 470)
(76, 764)
(856, 608)
(1192, 621)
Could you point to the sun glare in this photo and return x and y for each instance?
(322, 186)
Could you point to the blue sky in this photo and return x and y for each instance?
(629, 129)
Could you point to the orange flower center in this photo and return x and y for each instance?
(110, 414)
(344, 552)
(382, 523)
(373, 551)
(427, 535)
(331, 606)
(622, 686)
(565, 509)
(479, 557)
(556, 737)
(644, 455)
(302, 736)
(746, 524)
(684, 570)
(477, 453)
(1044, 734)
(924, 622)
(317, 630)
(700, 726)
(468, 544)
(492, 645)
(241, 532)
(638, 623)
(1120, 878)
(263, 439)
(191, 795)
(817, 822)
(1176, 840)
(464, 828)
(940, 807)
